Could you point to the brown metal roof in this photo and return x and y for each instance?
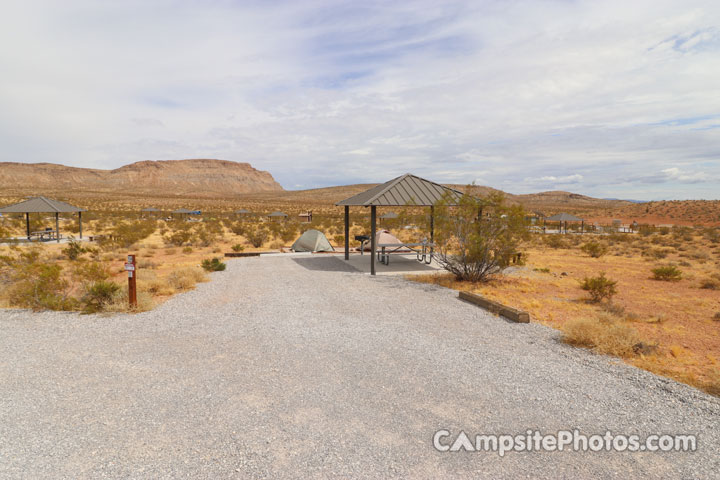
(41, 205)
(564, 217)
(404, 190)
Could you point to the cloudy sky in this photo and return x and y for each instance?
(606, 98)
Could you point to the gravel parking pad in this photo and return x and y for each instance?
(283, 368)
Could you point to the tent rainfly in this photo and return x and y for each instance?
(564, 218)
(44, 205)
(405, 190)
(312, 241)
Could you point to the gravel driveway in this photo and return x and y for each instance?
(294, 368)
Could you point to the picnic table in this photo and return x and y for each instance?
(423, 250)
(43, 235)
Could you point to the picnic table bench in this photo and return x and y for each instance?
(423, 251)
(43, 235)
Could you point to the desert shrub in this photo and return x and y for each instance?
(289, 232)
(555, 241)
(339, 239)
(257, 237)
(89, 271)
(170, 251)
(126, 234)
(716, 317)
(667, 273)
(98, 295)
(187, 250)
(119, 302)
(213, 265)
(277, 245)
(238, 228)
(710, 284)
(186, 278)
(475, 247)
(594, 249)
(603, 335)
(35, 283)
(600, 287)
(179, 238)
(237, 248)
(74, 249)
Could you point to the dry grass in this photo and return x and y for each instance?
(603, 334)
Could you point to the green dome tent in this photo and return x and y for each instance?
(312, 241)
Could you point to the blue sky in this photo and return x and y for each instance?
(610, 99)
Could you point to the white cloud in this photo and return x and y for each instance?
(506, 92)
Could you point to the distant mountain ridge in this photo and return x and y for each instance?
(173, 178)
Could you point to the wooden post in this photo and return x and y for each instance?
(132, 278)
(57, 226)
(582, 227)
(27, 224)
(80, 223)
(373, 227)
(347, 232)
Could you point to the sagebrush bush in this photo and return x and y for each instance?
(237, 248)
(36, 284)
(555, 241)
(257, 237)
(98, 295)
(74, 249)
(710, 284)
(594, 249)
(600, 287)
(667, 273)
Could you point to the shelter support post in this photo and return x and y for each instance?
(582, 227)
(80, 223)
(57, 227)
(373, 228)
(27, 224)
(432, 223)
(347, 232)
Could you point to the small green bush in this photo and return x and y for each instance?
(594, 249)
(213, 265)
(667, 273)
(98, 295)
(599, 287)
(74, 249)
(238, 248)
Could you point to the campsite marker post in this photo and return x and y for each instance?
(132, 276)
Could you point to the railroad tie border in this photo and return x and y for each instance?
(495, 307)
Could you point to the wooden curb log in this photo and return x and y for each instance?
(494, 307)
(243, 254)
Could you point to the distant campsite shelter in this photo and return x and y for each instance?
(184, 212)
(44, 205)
(242, 212)
(405, 190)
(563, 219)
(150, 211)
(278, 216)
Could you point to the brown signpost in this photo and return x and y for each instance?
(132, 277)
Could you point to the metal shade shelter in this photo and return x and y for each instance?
(282, 215)
(563, 218)
(405, 190)
(44, 205)
(185, 212)
(242, 211)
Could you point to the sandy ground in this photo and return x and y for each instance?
(289, 367)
